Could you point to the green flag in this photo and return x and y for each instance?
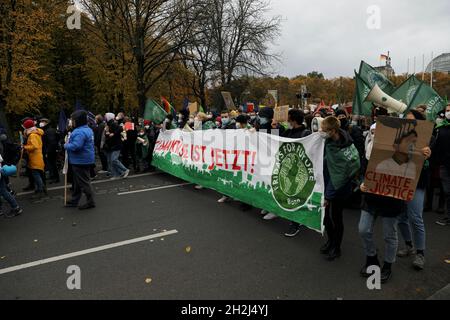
(154, 112)
(200, 109)
(407, 90)
(425, 95)
(360, 105)
(373, 77)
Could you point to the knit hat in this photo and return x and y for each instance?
(27, 124)
(147, 122)
(109, 116)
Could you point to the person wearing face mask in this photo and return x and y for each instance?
(50, 146)
(411, 222)
(35, 163)
(442, 150)
(81, 152)
(142, 149)
(354, 131)
(341, 165)
(296, 130)
(227, 122)
(242, 122)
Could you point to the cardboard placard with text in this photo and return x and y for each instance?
(281, 114)
(397, 160)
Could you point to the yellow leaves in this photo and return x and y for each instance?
(148, 280)
(188, 249)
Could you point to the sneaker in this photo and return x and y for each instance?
(125, 174)
(270, 216)
(223, 199)
(325, 249)
(293, 230)
(406, 252)
(70, 205)
(114, 178)
(87, 206)
(14, 213)
(370, 261)
(386, 275)
(333, 254)
(102, 172)
(419, 262)
(264, 212)
(443, 222)
(198, 187)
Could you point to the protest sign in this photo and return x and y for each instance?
(281, 114)
(396, 160)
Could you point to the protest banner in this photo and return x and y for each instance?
(228, 99)
(396, 160)
(281, 114)
(280, 175)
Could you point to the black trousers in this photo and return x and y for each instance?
(334, 222)
(81, 184)
(103, 159)
(52, 166)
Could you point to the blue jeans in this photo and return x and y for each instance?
(38, 182)
(7, 195)
(115, 166)
(366, 225)
(413, 218)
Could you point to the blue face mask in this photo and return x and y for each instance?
(263, 121)
(225, 121)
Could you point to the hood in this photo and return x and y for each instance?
(80, 118)
(35, 130)
(345, 140)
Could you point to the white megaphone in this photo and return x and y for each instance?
(378, 96)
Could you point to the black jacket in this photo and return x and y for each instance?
(442, 146)
(98, 132)
(114, 143)
(50, 140)
(296, 133)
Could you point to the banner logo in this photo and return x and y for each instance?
(293, 177)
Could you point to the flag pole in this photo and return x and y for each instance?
(432, 66)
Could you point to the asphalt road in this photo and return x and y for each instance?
(217, 252)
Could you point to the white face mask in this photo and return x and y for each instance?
(447, 115)
(42, 124)
(238, 126)
(147, 127)
(324, 135)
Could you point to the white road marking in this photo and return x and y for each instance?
(95, 182)
(87, 251)
(154, 189)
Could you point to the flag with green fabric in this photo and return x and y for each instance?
(407, 90)
(154, 112)
(425, 95)
(360, 106)
(373, 77)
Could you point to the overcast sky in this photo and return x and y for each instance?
(331, 36)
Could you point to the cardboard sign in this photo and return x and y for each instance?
(281, 114)
(396, 160)
(129, 126)
(228, 99)
(193, 107)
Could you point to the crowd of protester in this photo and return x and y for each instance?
(123, 144)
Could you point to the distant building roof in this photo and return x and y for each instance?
(440, 63)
